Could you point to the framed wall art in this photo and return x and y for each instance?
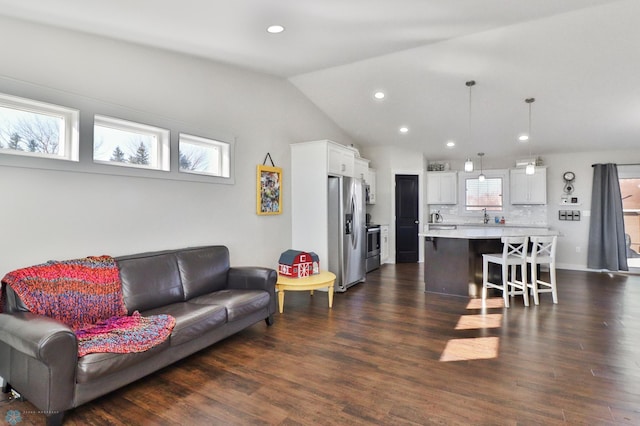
(269, 194)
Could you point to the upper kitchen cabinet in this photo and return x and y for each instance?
(371, 182)
(361, 168)
(528, 189)
(442, 188)
(341, 159)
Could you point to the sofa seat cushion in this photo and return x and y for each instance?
(239, 303)
(96, 365)
(192, 319)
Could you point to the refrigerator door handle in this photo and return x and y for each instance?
(354, 235)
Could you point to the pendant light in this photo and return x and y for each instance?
(481, 176)
(531, 166)
(468, 164)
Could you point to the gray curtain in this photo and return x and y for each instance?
(607, 247)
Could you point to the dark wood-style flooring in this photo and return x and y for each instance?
(388, 353)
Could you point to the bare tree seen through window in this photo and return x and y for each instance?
(27, 131)
(193, 161)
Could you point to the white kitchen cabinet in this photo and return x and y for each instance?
(361, 168)
(341, 160)
(528, 189)
(442, 188)
(384, 243)
(311, 164)
(371, 181)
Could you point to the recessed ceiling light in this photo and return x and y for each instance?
(379, 95)
(451, 144)
(404, 129)
(275, 29)
(523, 138)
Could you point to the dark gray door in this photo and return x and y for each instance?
(407, 218)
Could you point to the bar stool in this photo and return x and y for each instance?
(514, 254)
(543, 252)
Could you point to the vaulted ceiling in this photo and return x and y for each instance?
(579, 59)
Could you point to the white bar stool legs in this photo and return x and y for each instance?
(514, 252)
(543, 252)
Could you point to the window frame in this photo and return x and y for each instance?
(87, 107)
(162, 160)
(69, 139)
(224, 154)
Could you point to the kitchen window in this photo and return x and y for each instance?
(38, 129)
(486, 194)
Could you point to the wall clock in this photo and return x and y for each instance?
(568, 177)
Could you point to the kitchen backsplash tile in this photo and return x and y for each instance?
(516, 215)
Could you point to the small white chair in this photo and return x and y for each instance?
(543, 252)
(514, 254)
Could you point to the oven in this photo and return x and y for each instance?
(373, 248)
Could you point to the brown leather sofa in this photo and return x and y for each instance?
(209, 299)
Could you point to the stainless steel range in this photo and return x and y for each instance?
(373, 247)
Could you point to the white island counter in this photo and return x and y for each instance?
(488, 232)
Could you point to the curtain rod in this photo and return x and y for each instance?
(617, 164)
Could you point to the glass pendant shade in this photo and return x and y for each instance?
(530, 169)
(468, 165)
(481, 177)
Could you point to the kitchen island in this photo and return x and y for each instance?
(453, 257)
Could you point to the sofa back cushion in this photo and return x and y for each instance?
(150, 280)
(203, 269)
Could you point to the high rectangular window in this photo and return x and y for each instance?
(127, 143)
(204, 156)
(486, 194)
(39, 129)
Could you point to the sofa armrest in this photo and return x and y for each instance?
(39, 356)
(38, 336)
(254, 278)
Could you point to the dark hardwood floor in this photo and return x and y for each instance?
(388, 353)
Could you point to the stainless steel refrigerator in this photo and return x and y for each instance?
(347, 231)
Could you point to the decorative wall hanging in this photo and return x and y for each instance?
(269, 184)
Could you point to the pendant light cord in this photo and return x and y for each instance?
(469, 84)
(531, 166)
(468, 164)
(530, 101)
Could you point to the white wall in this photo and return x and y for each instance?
(574, 236)
(56, 215)
(47, 214)
(389, 161)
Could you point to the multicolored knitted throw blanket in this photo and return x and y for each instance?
(126, 334)
(86, 294)
(77, 292)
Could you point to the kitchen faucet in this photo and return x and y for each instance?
(485, 216)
